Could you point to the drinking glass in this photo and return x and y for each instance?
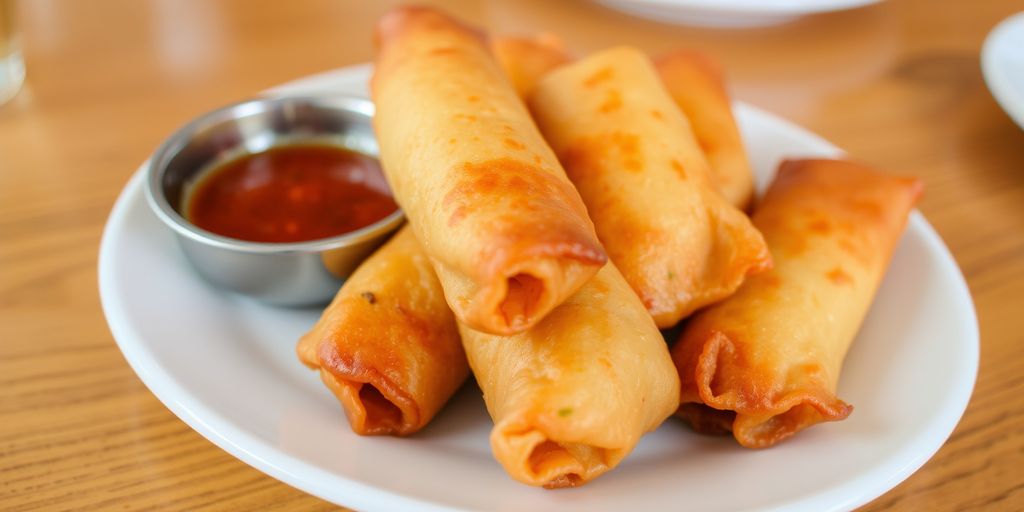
(12, 67)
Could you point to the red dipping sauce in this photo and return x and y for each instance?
(291, 193)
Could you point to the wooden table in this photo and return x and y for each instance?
(897, 84)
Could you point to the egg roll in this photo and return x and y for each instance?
(765, 362)
(695, 83)
(571, 397)
(506, 231)
(632, 155)
(526, 59)
(387, 346)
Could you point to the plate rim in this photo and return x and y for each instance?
(224, 434)
(207, 422)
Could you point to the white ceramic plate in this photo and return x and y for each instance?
(226, 366)
(1002, 63)
(730, 13)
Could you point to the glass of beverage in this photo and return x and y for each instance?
(12, 67)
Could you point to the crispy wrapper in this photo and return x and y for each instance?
(695, 83)
(507, 233)
(632, 155)
(765, 362)
(571, 397)
(387, 346)
(526, 59)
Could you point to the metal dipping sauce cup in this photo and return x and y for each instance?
(285, 274)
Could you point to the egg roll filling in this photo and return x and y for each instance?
(765, 416)
(537, 458)
(374, 405)
(522, 296)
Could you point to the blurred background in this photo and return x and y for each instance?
(145, 67)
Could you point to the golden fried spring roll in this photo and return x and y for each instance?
(694, 82)
(526, 59)
(633, 157)
(571, 397)
(387, 346)
(765, 362)
(696, 85)
(505, 230)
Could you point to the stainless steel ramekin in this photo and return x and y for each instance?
(287, 274)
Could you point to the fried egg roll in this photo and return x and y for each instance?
(632, 155)
(387, 346)
(506, 231)
(765, 362)
(695, 83)
(571, 397)
(526, 59)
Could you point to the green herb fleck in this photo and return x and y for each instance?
(671, 275)
(564, 411)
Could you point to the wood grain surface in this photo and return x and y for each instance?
(897, 84)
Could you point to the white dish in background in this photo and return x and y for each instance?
(226, 366)
(730, 13)
(1002, 64)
